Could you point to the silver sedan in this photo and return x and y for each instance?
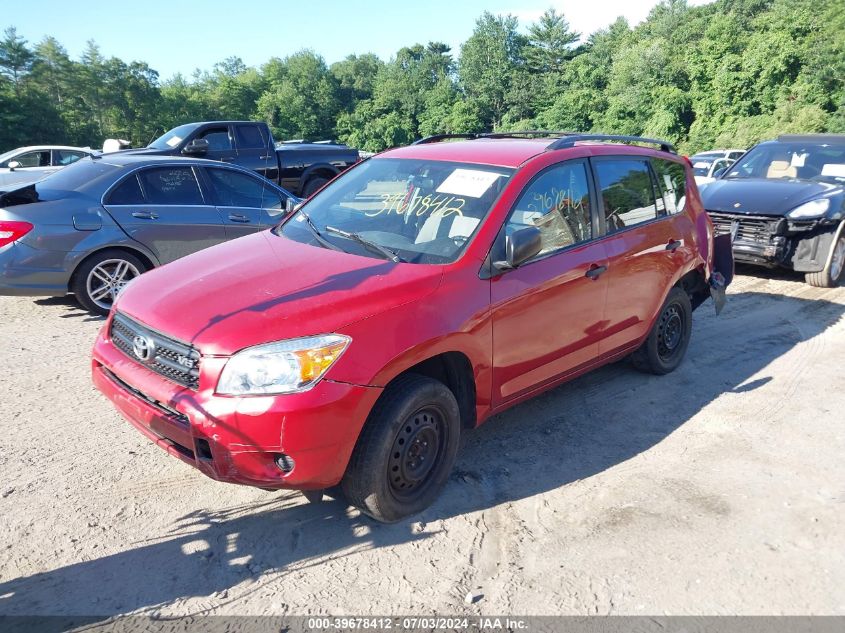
(96, 225)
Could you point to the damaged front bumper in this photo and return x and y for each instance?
(801, 245)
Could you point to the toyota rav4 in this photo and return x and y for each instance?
(418, 294)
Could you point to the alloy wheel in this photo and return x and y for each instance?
(107, 279)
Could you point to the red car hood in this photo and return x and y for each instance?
(264, 288)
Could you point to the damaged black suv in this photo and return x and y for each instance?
(783, 203)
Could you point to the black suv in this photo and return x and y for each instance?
(783, 203)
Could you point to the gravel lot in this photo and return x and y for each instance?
(719, 489)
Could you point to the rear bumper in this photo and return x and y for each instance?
(31, 272)
(237, 440)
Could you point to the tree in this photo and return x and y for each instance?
(15, 57)
(491, 60)
(550, 41)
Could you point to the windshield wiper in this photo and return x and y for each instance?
(363, 241)
(313, 228)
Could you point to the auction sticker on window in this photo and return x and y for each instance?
(468, 182)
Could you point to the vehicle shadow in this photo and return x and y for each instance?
(72, 310)
(568, 434)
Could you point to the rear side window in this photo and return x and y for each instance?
(249, 137)
(627, 193)
(672, 183)
(171, 185)
(234, 189)
(127, 192)
(557, 203)
(62, 157)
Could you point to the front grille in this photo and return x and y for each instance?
(172, 359)
(754, 229)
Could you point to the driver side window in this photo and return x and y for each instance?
(558, 204)
(218, 139)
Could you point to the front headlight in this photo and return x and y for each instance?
(283, 367)
(811, 209)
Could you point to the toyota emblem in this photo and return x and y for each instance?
(143, 347)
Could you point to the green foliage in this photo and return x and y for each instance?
(728, 73)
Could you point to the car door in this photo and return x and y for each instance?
(163, 208)
(547, 314)
(31, 166)
(246, 203)
(647, 240)
(255, 151)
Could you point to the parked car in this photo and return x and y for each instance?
(300, 167)
(705, 173)
(416, 295)
(783, 204)
(93, 227)
(27, 164)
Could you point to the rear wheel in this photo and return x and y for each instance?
(313, 185)
(667, 343)
(406, 450)
(831, 274)
(101, 277)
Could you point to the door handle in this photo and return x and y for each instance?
(674, 245)
(226, 159)
(145, 215)
(595, 271)
(268, 157)
(236, 217)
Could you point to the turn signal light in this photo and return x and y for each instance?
(12, 231)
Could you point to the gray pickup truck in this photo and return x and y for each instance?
(300, 167)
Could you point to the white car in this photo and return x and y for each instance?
(28, 164)
(706, 164)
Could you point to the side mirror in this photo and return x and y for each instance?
(13, 165)
(292, 205)
(197, 147)
(520, 247)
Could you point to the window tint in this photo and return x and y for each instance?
(557, 203)
(171, 185)
(627, 193)
(218, 138)
(64, 157)
(127, 192)
(234, 189)
(249, 137)
(34, 159)
(672, 180)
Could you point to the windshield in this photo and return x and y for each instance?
(794, 160)
(171, 139)
(423, 211)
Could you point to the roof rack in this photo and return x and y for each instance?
(444, 137)
(569, 140)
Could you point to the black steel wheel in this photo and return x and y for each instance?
(667, 342)
(406, 449)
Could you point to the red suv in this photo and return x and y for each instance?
(416, 295)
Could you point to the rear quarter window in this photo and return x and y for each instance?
(672, 184)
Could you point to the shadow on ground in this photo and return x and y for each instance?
(570, 433)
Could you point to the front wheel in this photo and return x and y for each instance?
(406, 450)
(101, 277)
(667, 343)
(831, 274)
(313, 185)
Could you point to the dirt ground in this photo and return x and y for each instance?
(719, 489)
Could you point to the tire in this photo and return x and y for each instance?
(93, 292)
(831, 274)
(406, 450)
(313, 185)
(667, 343)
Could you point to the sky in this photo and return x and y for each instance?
(175, 36)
